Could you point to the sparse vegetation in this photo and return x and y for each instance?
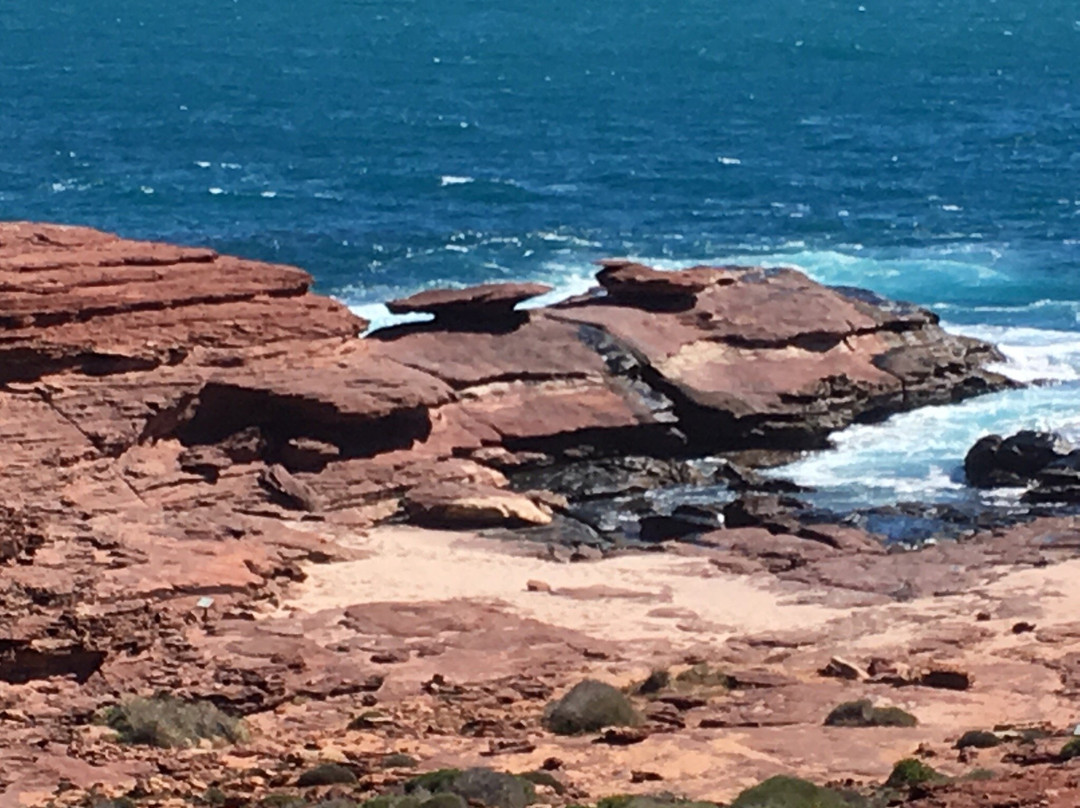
(444, 801)
(793, 792)
(433, 782)
(978, 739)
(169, 722)
(590, 706)
(1070, 750)
(658, 680)
(647, 801)
(702, 675)
(325, 775)
(911, 772)
(542, 778)
(864, 714)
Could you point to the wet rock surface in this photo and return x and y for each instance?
(215, 490)
(1043, 462)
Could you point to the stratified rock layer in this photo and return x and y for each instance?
(173, 422)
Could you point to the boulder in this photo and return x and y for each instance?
(635, 284)
(452, 506)
(590, 706)
(1015, 461)
(479, 307)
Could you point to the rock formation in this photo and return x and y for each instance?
(189, 437)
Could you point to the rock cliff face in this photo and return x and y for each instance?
(174, 422)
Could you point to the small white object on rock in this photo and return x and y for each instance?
(204, 603)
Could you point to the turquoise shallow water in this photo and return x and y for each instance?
(927, 150)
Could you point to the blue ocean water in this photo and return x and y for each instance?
(922, 148)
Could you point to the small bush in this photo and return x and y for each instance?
(658, 680)
(215, 796)
(282, 801)
(590, 706)
(433, 782)
(978, 775)
(911, 772)
(1070, 750)
(444, 801)
(542, 778)
(494, 789)
(978, 739)
(864, 714)
(392, 801)
(704, 676)
(170, 722)
(327, 774)
(792, 792)
(398, 760)
(655, 801)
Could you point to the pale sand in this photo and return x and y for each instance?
(689, 598)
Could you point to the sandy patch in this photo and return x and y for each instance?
(647, 596)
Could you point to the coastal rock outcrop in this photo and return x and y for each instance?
(1043, 462)
(185, 434)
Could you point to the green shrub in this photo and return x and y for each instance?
(398, 760)
(978, 739)
(702, 675)
(590, 706)
(326, 774)
(1070, 750)
(542, 778)
(282, 801)
(979, 775)
(654, 801)
(169, 722)
(444, 801)
(658, 680)
(494, 789)
(433, 782)
(392, 801)
(912, 772)
(864, 714)
(215, 796)
(793, 792)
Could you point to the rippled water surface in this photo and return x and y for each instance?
(927, 150)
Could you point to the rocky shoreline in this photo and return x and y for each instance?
(217, 490)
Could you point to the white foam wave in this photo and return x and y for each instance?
(729, 161)
(1032, 354)
(216, 191)
(450, 179)
(919, 454)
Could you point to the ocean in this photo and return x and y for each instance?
(927, 150)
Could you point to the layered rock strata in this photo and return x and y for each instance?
(185, 434)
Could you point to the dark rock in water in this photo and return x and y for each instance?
(997, 462)
(613, 477)
(1058, 482)
(590, 706)
(777, 514)
(684, 520)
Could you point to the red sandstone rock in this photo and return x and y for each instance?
(475, 304)
(150, 392)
